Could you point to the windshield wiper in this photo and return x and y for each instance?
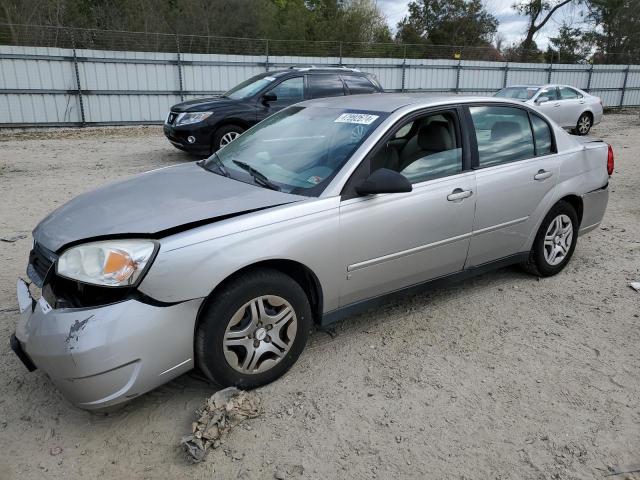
(219, 164)
(258, 177)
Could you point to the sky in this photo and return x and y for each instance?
(511, 26)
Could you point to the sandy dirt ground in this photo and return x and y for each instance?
(501, 377)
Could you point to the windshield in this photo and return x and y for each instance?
(297, 150)
(518, 93)
(250, 87)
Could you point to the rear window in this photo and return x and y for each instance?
(503, 135)
(325, 86)
(358, 85)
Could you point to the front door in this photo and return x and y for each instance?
(392, 241)
(287, 93)
(515, 179)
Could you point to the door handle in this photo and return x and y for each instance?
(542, 175)
(459, 194)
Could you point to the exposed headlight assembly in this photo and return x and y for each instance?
(194, 117)
(110, 263)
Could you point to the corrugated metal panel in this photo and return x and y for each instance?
(38, 84)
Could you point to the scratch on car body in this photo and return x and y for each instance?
(76, 328)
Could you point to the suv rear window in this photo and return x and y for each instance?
(325, 86)
(359, 85)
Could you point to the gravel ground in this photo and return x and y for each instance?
(502, 376)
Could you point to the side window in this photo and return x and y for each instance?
(359, 85)
(567, 93)
(542, 135)
(503, 135)
(325, 86)
(290, 91)
(551, 93)
(429, 148)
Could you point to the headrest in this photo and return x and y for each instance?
(434, 137)
(502, 130)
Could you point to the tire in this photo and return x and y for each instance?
(224, 135)
(584, 124)
(228, 331)
(550, 238)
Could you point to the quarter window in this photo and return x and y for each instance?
(325, 86)
(503, 135)
(359, 85)
(542, 135)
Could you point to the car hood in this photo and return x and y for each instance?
(152, 203)
(203, 104)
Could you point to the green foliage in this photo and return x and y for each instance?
(568, 47)
(447, 22)
(617, 36)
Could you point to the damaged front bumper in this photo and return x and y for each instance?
(99, 357)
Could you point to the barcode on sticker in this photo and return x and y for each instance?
(359, 118)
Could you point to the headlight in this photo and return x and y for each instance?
(195, 117)
(112, 263)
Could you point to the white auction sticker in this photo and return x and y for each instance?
(44, 305)
(359, 118)
(270, 79)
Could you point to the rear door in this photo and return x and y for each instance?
(515, 179)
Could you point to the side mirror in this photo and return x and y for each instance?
(384, 181)
(542, 100)
(269, 97)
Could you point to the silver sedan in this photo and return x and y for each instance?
(568, 106)
(324, 209)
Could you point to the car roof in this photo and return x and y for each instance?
(389, 102)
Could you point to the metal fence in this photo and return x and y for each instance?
(74, 77)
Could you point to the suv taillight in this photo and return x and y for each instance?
(610, 161)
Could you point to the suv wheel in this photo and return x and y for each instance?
(254, 330)
(225, 135)
(555, 241)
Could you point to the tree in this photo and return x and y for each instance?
(568, 47)
(442, 22)
(538, 13)
(617, 32)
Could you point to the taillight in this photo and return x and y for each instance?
(610, 161)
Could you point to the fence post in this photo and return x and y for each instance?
(340, 52)
(78, 87)
(459, 68)
(266, 62)
(404, 67)
(506, 75)
(550, 71)
(179, 68)
(624, 85)
(588, 89)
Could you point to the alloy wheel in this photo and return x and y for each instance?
(227, 138)
(584, 124)
(260, 334)
(557, 239)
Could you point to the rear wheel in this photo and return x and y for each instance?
(584, 124)
(555, 241)
(225, 135)
(254, 330)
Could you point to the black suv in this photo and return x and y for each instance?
(204, 125)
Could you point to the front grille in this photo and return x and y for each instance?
(40, 262)
(171, 118)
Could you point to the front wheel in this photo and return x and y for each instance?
(254, 330)
(555, 241)
(584, 124)
(225, 135)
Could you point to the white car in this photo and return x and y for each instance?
(568, 106)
